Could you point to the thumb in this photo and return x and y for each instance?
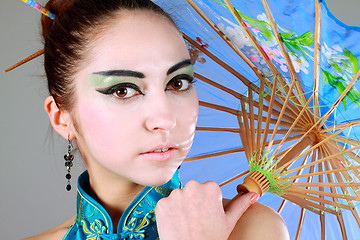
(238, 205)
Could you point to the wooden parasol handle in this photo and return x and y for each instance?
(296, 150)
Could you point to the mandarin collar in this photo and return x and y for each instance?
(137, 221)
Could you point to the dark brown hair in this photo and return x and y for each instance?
(66, 38)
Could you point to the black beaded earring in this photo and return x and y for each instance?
(69, 157)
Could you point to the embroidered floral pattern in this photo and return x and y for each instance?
(137, 225)
(165, 192)
(94, 230)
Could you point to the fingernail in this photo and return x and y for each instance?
(254, 198)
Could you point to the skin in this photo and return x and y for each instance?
(116, 131)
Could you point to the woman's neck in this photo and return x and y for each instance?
(114, 193)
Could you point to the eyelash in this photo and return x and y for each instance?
(187, 77)
(112, 90)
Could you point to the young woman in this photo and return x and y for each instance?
(121, 86)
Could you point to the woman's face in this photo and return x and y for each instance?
(136, 106)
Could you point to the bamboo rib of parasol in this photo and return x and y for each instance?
(258, 136)
(234, 178)
(301, 223)
(317, 58)
(253, 132)
(245, 131)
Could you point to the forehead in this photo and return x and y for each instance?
(134, 38)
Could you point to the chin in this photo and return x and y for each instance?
(160, 178)
(159, 182)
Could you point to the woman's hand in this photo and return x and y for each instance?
(197, 212)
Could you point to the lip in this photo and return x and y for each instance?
(160, 156)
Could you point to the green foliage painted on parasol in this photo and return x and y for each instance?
(353, 61)
(290, 38)
(345, 68)
(292, 42)
(339, 83)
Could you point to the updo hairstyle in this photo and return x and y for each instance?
(67, 38)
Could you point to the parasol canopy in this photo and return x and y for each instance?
(279, 108)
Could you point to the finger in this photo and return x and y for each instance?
(238, 205)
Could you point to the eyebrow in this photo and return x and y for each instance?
(129, 73)
(178, 66)
(121, 73)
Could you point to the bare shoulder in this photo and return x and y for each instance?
(259, 221)
(55, 233)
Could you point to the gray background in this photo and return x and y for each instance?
(33, 195)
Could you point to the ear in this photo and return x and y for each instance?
(60, 120)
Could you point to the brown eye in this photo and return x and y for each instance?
(125, 92)
(121, 92)
(179, 85)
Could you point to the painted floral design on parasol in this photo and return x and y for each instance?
(279, 107)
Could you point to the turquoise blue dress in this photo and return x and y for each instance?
(137, 222)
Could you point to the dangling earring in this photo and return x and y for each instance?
(69, 157)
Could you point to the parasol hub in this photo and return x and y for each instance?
(256, 182)
(314, 136)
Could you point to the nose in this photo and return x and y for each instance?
(160, 114)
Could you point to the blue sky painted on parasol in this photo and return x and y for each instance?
(296, 22)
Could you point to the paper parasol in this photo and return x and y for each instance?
(280, 106)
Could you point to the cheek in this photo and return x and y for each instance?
(187, 116)
(102, 126)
